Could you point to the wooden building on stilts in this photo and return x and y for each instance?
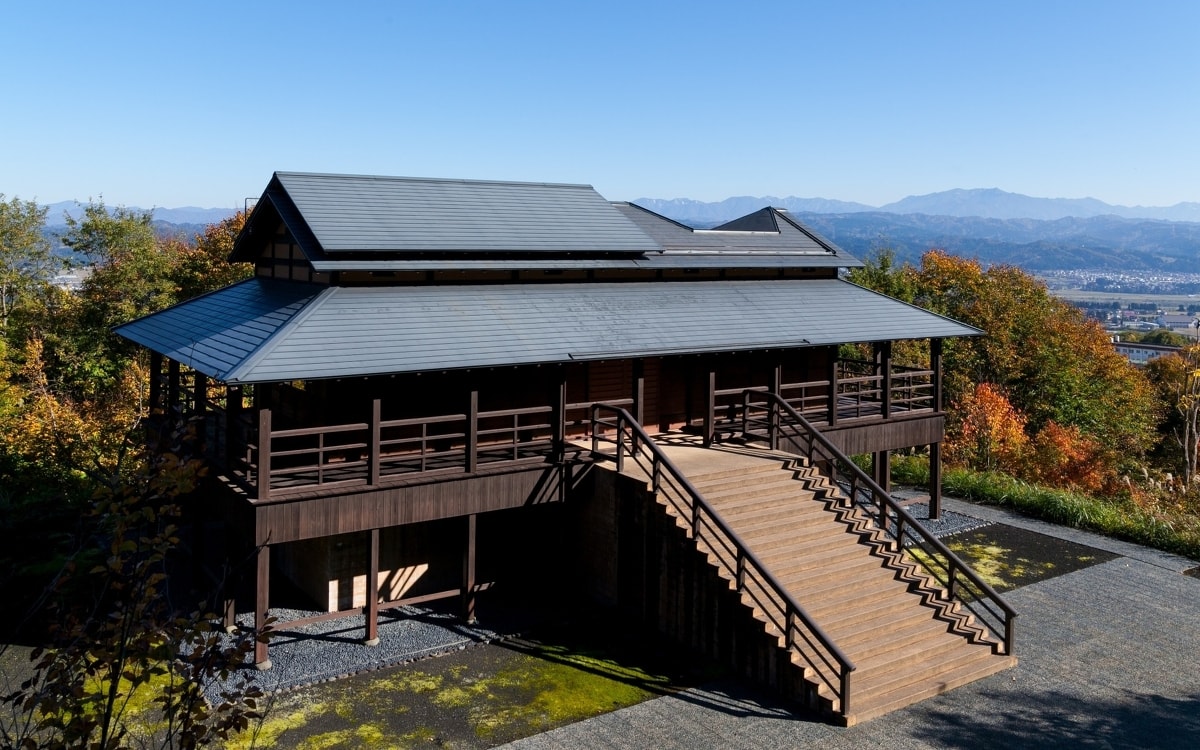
(433, 387)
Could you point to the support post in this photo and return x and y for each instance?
(468, 602)
(777, 390)
(473, 432)
(710, 409)
(234, 437)
(200, 394)
(833, 386)
(373, 448)
(883, 361)
(371, 611)
(935, 481)
(262, 598)
(172, 385)
(262, 478)
(639, 397)
(935, 364)
(155, 381)
(559, 416)
(882, 465)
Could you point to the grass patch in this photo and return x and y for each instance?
(1120, 518)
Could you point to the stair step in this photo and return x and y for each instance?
(879, 701)
(885, 682)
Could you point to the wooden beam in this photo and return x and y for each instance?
(262, 598)
(372, 608)
(559, 417)
(200, 394)
(777, 390)
(468, 603)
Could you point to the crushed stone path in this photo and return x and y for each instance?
(1109, 658)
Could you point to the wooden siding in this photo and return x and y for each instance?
(308, 518)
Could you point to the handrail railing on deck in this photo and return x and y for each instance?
(776, 417)
(751, 578)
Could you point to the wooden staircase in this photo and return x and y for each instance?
(906, 640)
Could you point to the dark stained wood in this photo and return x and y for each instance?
(444, 496)
(472, 444)
(374, 448)
(172, 384)
(935, 480)
(468, 599)
(372, 608)
(262, 477)
(262, 597)
(155, 381)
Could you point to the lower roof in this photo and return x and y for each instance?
(263, 330)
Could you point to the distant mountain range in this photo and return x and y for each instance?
(1038, 234)
(986, 203)
(56, 213)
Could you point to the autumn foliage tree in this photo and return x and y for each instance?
(1051, 364)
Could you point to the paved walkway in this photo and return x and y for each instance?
(1109, 658)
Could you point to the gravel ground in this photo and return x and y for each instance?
(333, 649)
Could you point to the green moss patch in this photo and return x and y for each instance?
(1008, 557)
(480, 697)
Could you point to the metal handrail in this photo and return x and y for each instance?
(789, 615)
(953, 566)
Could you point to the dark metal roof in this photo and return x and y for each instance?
(265, 331)
(405, 215)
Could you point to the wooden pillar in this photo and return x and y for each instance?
(639, 391)
(472, 432)
(710, 409)
(559, 416)
(468, 602)
(777, 390)
(155, 381)
(200, 394)
(935, 364)
(234, 437)
(262, 477)
(935, 481)
(373, 449)
(229, 611)
(882, 469)
(371, 611)
(172, 385)
(262, 598)
(883, 362)
(833, 386)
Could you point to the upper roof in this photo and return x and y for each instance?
(406, 215)
(267, 331)
(365, 223)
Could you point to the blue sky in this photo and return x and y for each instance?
(172, 104)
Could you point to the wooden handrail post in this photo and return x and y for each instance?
(935, 364)
(639, 396)
(233, 424)
(472, 431)
(374, 448)
(777, 391)
(262, 478)
(559, 416)
(710, 409)
(884, 359)
(619, 437)
(833, 386)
